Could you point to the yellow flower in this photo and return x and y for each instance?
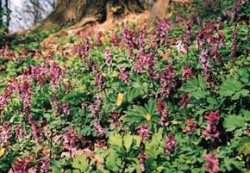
(119, 99)
(148, 117)
(2, 150)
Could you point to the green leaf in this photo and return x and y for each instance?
(246, 115)
(229, 87)
(202, 82)
(80, 162)
(115, 140)
(233, 122)
(198, 94)
(151, 106)
(112, 161)
(128, 139)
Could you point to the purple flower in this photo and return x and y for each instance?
(167, 80)
(162, 28)
(95, 107)
(108, 57)
(212, 121)
(5, 133)
(123, 74)
(186, 73)
(141, 40)
(66, 108)
(186, 37)
(143, 132)
(39, 74)
(99, 80)
(35, 130)
(144, 60)
(212, 164)
(26, 92)
(184, 100)
(55, 74)
(99, 39)
(69, 140)
(99, 129)
(45, 163)
(170, 144)
(85, 48)
(128, 37)
(164, 121)
(190, 126)
(205, 64)
(114, 39)
(142, 158)
(21, 165)
(19, 131)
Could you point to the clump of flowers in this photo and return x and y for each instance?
(26, 92)
(19, 131)
(164, 121)
(212, 164)
(186, 73)
(5, 133)
(99, 129)
(114, 39)
(190, 126)
(108, 57)
(99, 39)
(170, 144)
(114, 119)
(95, 107)
(56, 74)
(142, 158)
(167, 80)
(35, 128)
(70, 139)
(21, 165)
(162, 29)
(66, 108)
(123, 74)
(99, 80)
(128, 37)
(184, 100)
(143, 132)
(212, 121)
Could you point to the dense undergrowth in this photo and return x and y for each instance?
(175, 99)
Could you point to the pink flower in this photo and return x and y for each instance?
(213, 117)
(143, 132)
(66, 108)
(167, 80)
(123, 75)
(212, 164)
(184, 100)
(186, 73)
(170, 144)
(211, 128)
(5, 133)
(108, 57)
(21, 165)
(19, 131)
(99, 39)
(114, 39)
(142, 158)
(99, 129)
(190, 126)
(35, 130)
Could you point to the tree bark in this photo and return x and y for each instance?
(73, 11)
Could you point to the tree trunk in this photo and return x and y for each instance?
(73, 11)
